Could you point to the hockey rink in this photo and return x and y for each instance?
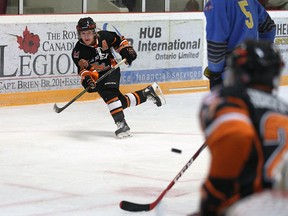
(71, 163)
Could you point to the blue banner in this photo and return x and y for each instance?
(161, 75)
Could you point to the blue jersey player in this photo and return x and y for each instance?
(228, 23)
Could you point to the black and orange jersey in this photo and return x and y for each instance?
(99, 56)
(246, 132)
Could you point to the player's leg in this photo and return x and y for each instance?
(108, 89)
(152, 92)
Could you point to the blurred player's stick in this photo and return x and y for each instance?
(135, 207)
(60, 109)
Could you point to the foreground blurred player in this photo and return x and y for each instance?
(246, 127)
(93, 57)
(229, 23)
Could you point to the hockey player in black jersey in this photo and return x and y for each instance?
(93, 57)
(245, 126)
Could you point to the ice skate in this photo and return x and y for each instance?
(123, 130)
(154, 93)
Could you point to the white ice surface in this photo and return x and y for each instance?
(71, 164)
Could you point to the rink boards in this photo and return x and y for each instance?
(36, 54)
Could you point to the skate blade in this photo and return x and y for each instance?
(124, 135)
(159, 93)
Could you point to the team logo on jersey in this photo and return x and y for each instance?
(76, 54)
(101, 54)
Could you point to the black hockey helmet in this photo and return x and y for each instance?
(254, 62)
(86, 23)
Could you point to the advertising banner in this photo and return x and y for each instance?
(281, 39)
(167, 50)
(37, 56)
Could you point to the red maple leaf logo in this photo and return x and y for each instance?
(29, 43)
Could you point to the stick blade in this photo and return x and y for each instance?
(134, 207)
(57, 109)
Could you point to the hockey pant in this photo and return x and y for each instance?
(117, 102)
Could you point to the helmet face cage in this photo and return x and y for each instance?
(85, 24)
(254, 62)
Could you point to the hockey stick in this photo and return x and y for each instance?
(60, 109)
(135, 207)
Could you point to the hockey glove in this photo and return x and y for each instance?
(215, 78)
(127, 51)
(89, 78)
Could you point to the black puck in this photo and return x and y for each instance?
(176, 150)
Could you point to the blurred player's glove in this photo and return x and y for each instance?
(215, 78)
(89, 78)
